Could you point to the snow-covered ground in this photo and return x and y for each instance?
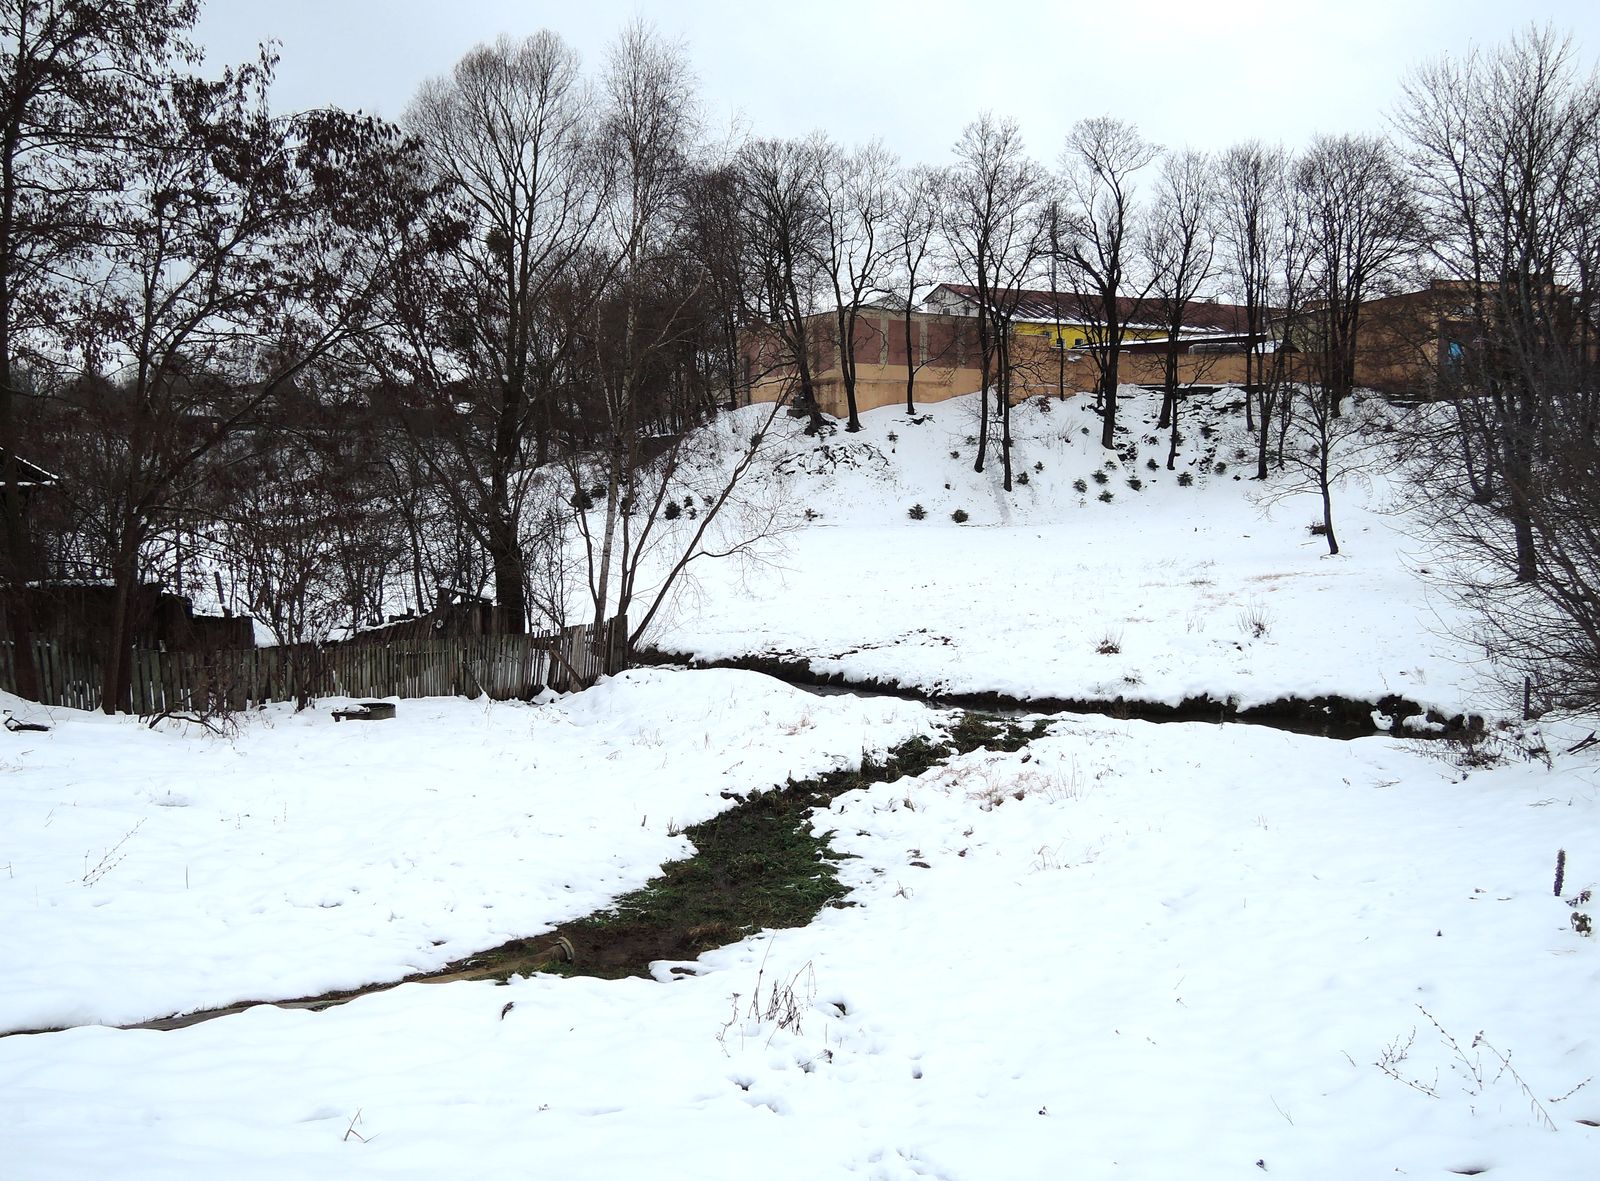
(1127, 950)
(1204, 588)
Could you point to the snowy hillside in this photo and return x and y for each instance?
(1121, 950)
(1096, 577)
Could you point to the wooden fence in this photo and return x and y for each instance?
(500, 667)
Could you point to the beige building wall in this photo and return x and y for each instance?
(948, 366)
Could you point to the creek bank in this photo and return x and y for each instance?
(758, 865)
(1330, 716)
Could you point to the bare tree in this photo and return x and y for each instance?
(1361, 221)
(74, 76)
(511, 130)
(783, 232)
(1099, 166)
(1504, 148)
(995, 229)
(856, 191)
(1179, 248)
(1323, 451)
(240, 251)
(914, 218)
(1251, 192)
(648, 129)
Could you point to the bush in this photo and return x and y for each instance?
(1317, 529)
(1219, 467)
(1080, 485)
(955, 455)
(1135, 483)
(1022, 477)
(916, 512)
(893, 438)
(959, 516)
(1185, 479)
(672, 511)
(1255, 621)
(1039, 466)
(1099, 476)
(1110, 644)
(1107, 496)
(1152, 464)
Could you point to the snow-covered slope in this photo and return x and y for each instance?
(1098, 577)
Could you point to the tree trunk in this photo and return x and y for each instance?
(116, 677)
(911, 366)
(847, 367)
(1005, 411)
(1327, 510)
(510, 571)
(1108, 394)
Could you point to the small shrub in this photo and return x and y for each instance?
(1080, 485)
(1039, 466)
(959, 516)
(672, 511)
(1255, 621)
(972, 440)
(1185, 479)
(1135, 483)
(1110, 644)
(1207, 430)
(1317, 528)
(955, 455)
(1152, 464)
(1240, 454)
(1086, 430)
(1043, 403)
(1219, 467)
(581, 500)
(916, 512)
(1022, 478)
(1099, 476)
(893, 438)
(812, 514)
(1107, 496)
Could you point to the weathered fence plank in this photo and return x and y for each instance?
(498, 666)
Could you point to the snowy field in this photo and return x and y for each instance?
(1204, 589)
(1128, 950)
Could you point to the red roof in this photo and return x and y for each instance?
(1068, 307)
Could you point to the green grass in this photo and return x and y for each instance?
(757, 866)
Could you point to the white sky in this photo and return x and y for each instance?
(1205, 74)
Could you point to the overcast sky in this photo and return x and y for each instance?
(1204, 72)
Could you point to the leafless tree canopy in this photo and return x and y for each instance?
(325, 368)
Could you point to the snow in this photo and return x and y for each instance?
(1127, 950)
(145, 873)
(1019, 599)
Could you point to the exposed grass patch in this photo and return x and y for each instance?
(756, 866)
